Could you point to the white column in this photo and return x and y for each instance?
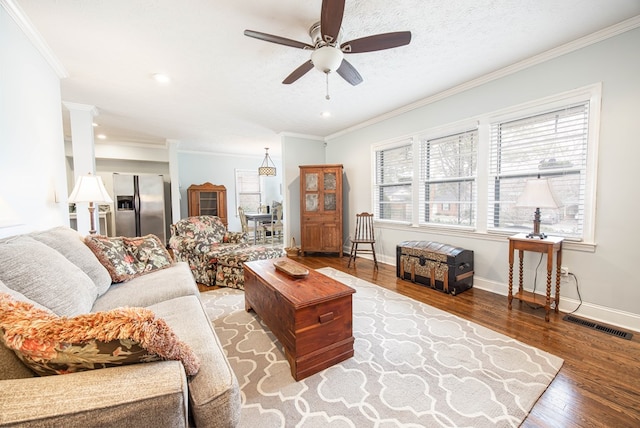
(174, 174)
(84, 160)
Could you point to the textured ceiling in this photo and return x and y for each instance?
(226, 93)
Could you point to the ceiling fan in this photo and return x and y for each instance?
(328, 54)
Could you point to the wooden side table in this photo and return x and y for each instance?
(549, 246)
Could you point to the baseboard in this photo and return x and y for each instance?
(603, 314)
(591, 311)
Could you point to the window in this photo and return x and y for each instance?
(468, 175)
(448, 179)
(551, 144)
(394, 183)
(248, 191)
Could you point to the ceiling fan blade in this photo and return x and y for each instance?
(331, 19)
(298, 73)
(277, 39)
(349, 73)
(377, 42)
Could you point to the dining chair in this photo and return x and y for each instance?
(257, 232)
(275, 227)
(364, 234)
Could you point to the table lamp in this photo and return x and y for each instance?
(536, 194)
(90, 188)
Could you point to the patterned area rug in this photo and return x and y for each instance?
(414, 366)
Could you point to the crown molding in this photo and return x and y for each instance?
(580, 43)
(71, 106)
(21, 19)
(305, 136)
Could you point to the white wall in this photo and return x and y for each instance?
(216, 168)
(607, 277)
(297, 150)
(32, 165)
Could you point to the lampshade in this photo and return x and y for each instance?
(89, 188)
(327, 58)
(537, 194)
(267, 169)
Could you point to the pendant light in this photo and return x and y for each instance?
(266, 169)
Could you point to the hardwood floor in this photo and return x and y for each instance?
(599, 383)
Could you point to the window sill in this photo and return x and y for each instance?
(468, 233)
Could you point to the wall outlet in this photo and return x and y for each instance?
(564, 271)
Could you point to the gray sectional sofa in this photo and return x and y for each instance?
(56, 270)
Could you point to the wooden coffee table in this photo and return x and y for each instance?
(311, 316)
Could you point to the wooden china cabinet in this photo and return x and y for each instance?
(208, 199)
(321, 208)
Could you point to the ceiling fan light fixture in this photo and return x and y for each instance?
(327, 58)
(161, 78)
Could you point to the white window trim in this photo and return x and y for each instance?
(435, 133)
(591, 93)
(386, 145)
(237, 193)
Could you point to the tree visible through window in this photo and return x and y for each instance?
(448, 179)
(554, 138)
(552, 145)
(394, 179)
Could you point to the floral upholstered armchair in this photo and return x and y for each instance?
(214, 254)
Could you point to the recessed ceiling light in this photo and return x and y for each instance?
(161, 79)
(101, 136)
(325, 114)
(94, 124)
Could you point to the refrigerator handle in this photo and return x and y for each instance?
(136, 204)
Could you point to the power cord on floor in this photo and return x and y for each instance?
(575, 278)
(535, 282)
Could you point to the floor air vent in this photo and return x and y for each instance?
(596, 326)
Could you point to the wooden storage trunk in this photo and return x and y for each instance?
(439, 266)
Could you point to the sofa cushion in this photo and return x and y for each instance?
(214, 393)
(45, 276)
(49, 344)
(126, 258)
(205, 228)
(70, 244)
(21, 297)
(145, 290)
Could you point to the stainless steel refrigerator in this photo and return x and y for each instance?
(139, 201)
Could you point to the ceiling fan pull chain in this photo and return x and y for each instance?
(327, 96)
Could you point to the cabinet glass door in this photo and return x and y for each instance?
(209, 203)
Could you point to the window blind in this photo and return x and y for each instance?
(552, 144)
(448, 170)
(394, 183)
(248, 192)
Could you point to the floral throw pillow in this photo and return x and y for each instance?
(126, 258)
(50, 345)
